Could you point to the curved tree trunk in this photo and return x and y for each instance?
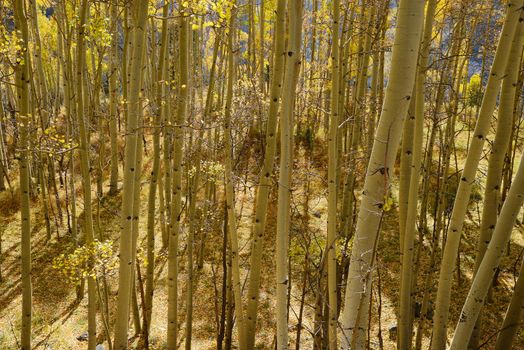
(497, 156)
(496, 248)
(375, 193)
(467, 177)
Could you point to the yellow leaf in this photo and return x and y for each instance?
(388, 203)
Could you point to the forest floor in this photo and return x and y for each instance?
(58, 319)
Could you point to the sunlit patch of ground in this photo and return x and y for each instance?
(59, 319)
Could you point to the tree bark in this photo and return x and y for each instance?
(22, 78)
(134, 113)
(375, 193)
(262, 196)
(292, 68)
(467, 177)
(405, 324)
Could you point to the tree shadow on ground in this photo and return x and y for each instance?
(494, 309)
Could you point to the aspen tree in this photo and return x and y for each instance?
(358, 113)
(193, 183)
(229, 305)
(137, 188)
(313, 49)
(375, 193)
(113, 103)
(167, 144)
(467, 178)
(332, 182)
(359, 107)
(513, 317)
(251, 37)
(82, 119)
(261, 34)
(428, 159)
(3, 168)
(225, 330)
(70, 110)
(37, 108)
(125, 278)
(261, 201)
(23, 91)
(343, 91)
(292, 67)
(126, 57)
(160, 92)
(135, 312)
(39, 66)
(407, 248)
(210, 186)
(376, 80)
(176, 186)
(230, 199)
(441, 200)
(406, 162)
(497, 155)
(3, 160)
(496, 248)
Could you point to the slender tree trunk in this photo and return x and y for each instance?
(230, 199)
(39, 66)
(496, 248)
(264, 185)
(496, 158)
(261, 34)
(176, 187)
(160, 92)
(332, 182)
(113, 103)
(467, 177)
(224, 290)
(135, 310)
(513, 317)
(407, 274)
(292, 68)
(127, 263)
(22, 77)
(82, 120)
(376, 185)
(406, 163)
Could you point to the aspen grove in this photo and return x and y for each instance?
(261, 174)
